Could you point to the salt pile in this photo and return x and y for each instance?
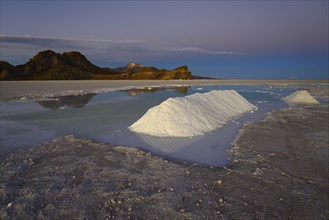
(192, 115)
(300, 97)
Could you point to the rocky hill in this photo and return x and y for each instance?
(48, 65)
(130, 67)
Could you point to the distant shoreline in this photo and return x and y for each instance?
(48, 88)
(187, 80)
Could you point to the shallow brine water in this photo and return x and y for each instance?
(105, 117)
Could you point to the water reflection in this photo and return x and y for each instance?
(18, 135)
(168, 145)
(108, 115)
(136, 92)
(209, 149)
(72, 101)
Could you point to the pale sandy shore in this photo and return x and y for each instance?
(41, 89)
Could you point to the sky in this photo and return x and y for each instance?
(227, 39)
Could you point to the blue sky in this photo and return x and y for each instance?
(229, 39)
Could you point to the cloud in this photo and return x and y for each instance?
(200, 50)
(98, 49)
(29, 38)
(65, 43)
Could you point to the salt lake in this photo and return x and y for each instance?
(104, 116)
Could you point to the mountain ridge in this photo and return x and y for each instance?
(72, 65)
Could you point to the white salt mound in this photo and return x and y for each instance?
(300, 97)
(192, 115)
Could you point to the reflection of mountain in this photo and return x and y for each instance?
(136, 92)
(72, 101)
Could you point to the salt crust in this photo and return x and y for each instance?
(300, 97)
(192, 115)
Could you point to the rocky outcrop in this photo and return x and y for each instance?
(179, 73)
(6, 69)
(48, 65)
(154, 73)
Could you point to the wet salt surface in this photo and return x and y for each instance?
(104, 117)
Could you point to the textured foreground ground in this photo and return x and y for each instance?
(279, 170)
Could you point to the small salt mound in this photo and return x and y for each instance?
(300, 97)
(192, 115)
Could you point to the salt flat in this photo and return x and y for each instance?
(42, 89)
(278, 170)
